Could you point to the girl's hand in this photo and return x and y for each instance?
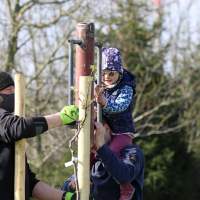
(101, 99)
(97, 88)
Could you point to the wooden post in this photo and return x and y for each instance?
(84, 140)
(19, 189)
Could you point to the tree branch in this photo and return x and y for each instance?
(164, 131)
(53, 21)
(46, 63)
(24, 8)
(10, 11)
(52, 2)
(164, 103)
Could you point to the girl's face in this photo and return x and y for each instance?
(109, 77)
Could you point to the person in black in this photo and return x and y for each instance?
(14, 128)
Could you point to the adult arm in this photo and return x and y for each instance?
(66, 116)
(122, 170)
(14, 128)
(121, 103)
(42, 191)
(45, 123)
(53, 121)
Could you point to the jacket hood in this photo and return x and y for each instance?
(128, 79)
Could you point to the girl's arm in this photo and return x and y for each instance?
(121, 103)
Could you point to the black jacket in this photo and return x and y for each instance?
(13, 128)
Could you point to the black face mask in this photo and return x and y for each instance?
(8, 102)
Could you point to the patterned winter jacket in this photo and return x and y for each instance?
(118, 110)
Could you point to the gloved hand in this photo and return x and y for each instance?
(70, 196)
(72, 111)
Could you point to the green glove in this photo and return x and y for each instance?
(72, 111)
(70, 196)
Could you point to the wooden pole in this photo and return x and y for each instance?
(19, 189)
(84, 140)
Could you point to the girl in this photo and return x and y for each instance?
(117, 102)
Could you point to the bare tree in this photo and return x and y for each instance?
(33, 41)
(167, 94)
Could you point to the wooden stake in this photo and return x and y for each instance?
(84, 141)
(19, 189)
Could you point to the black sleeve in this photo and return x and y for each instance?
(14, 128)
(31, 179)
(40, 124)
